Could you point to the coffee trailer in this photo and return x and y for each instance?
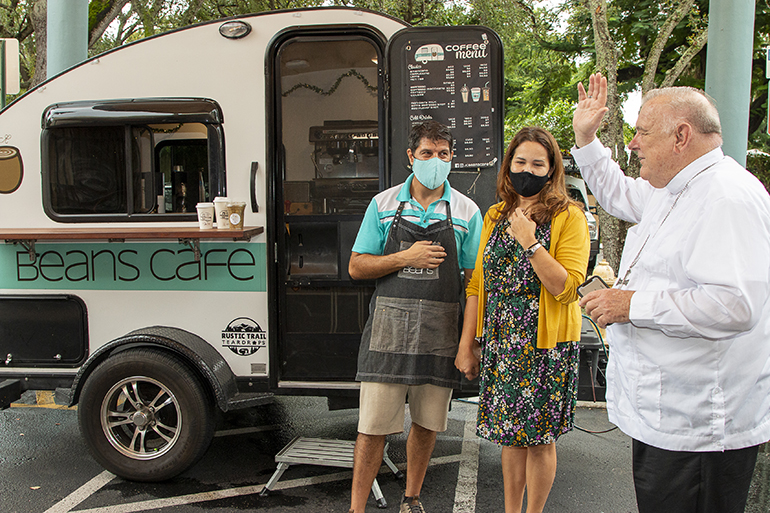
(109, 288)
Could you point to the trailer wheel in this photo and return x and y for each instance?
(145, 416)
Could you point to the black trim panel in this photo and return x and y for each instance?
(43, 331)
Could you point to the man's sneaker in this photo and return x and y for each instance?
(411, 505)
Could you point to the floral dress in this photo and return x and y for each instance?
(528, 395)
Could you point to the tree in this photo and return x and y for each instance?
(536, 70)
(20, 19)
(637, 44)
(671, 34)
(556, 118)
(25, 20)
(758, 162)
(415, 12)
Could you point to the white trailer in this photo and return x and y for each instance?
(109, 288)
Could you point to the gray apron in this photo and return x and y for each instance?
(412, 334)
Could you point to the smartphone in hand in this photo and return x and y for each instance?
(591, 284)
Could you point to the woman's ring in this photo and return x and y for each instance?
(590, 96)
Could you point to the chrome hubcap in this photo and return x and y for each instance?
(141, 418)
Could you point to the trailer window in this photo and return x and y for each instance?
(138, 170)
(87, 171)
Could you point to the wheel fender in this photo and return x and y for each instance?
(194, 350)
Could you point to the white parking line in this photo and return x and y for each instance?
(65, 505)
(217, 494)
(465, 494)
(467, 475)
(80, 494)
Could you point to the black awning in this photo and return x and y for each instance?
(136, 111)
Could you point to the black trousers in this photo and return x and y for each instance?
(692, 482)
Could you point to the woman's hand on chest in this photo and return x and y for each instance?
(522, 228)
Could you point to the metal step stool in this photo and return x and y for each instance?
(328, 453)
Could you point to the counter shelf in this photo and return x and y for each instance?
(188, 236)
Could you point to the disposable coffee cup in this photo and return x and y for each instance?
(205, 215)
(222, 215)
(475, 93)
(235, 210)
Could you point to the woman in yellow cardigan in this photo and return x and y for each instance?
(522, 316)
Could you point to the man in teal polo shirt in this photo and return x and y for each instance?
(414, 240)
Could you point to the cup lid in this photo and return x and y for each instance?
(205, 204)
(221, 198)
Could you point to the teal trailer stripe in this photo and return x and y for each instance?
(223, 266)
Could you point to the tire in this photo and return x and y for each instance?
(145, 415)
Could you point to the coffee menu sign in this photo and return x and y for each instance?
(451, 76)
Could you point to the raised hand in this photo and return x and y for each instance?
(590, 109)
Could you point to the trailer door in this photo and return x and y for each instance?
(329, 157)
(326, 166)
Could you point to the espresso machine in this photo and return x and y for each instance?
(346, 161)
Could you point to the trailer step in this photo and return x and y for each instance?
(10, 391)
(328, 453)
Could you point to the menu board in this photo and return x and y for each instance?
(451, 75)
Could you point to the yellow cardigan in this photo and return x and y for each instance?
(559, 318)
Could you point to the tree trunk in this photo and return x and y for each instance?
(39, 17)
(651, 65)
(613, 230)
(698, 42)
(103, 19)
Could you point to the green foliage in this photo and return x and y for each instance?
(758, 162)
(556, 118)
(415, 12)
(207, 10)
(537, 72)
(12, 17)
(96, 10)
(548, 47)
(628, 133)
(15, 23)
(758, 138)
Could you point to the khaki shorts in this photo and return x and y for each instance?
(382, 407)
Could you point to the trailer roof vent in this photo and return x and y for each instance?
(235, 29)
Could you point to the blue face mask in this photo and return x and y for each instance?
(432, 172)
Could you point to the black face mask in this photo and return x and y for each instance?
(527, 184)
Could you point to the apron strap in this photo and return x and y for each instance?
(396, 221)
(400, 209)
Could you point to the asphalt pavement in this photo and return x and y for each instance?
(46, 467)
